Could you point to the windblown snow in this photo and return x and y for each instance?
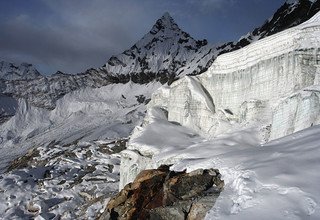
(278, 180)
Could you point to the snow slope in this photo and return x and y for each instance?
(87, 114)
(278, 180)
(56, 181)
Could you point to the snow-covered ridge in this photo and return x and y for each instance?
(290, 14)
(163, 52)
(88, 114)
(301, 37)
(44, 91)
(10, 71)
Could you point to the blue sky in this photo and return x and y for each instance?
(73, 35)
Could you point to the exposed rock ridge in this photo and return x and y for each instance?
(290, 14)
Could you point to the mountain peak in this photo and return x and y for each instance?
(167, 17)
(165, 22)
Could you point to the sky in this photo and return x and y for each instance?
(74, 35)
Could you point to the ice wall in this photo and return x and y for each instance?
(297, 112)
(245, 87)
(132, 163)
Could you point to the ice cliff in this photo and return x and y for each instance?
(271, 85)
(268, 82)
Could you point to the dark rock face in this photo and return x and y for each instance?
(164, 194)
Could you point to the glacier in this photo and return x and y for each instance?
(271, 88)
(256, 85)
(265, 91)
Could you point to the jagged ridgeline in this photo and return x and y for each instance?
(164, 54)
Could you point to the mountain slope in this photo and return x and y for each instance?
(24, 71)
(290, 14)
(88, 114)
(44, 91)
(160, 55)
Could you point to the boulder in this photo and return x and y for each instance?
(164, 194)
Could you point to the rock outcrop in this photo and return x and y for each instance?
(164, 194)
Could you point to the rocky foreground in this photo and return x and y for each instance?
(73, 181)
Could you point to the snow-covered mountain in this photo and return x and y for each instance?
(24, 71)
(44, 91)
(271, 84)
(164, 54)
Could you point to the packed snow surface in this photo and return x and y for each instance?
(278, 180)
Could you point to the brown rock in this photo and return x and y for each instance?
(164, 194)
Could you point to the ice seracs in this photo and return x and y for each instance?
(249, 87)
